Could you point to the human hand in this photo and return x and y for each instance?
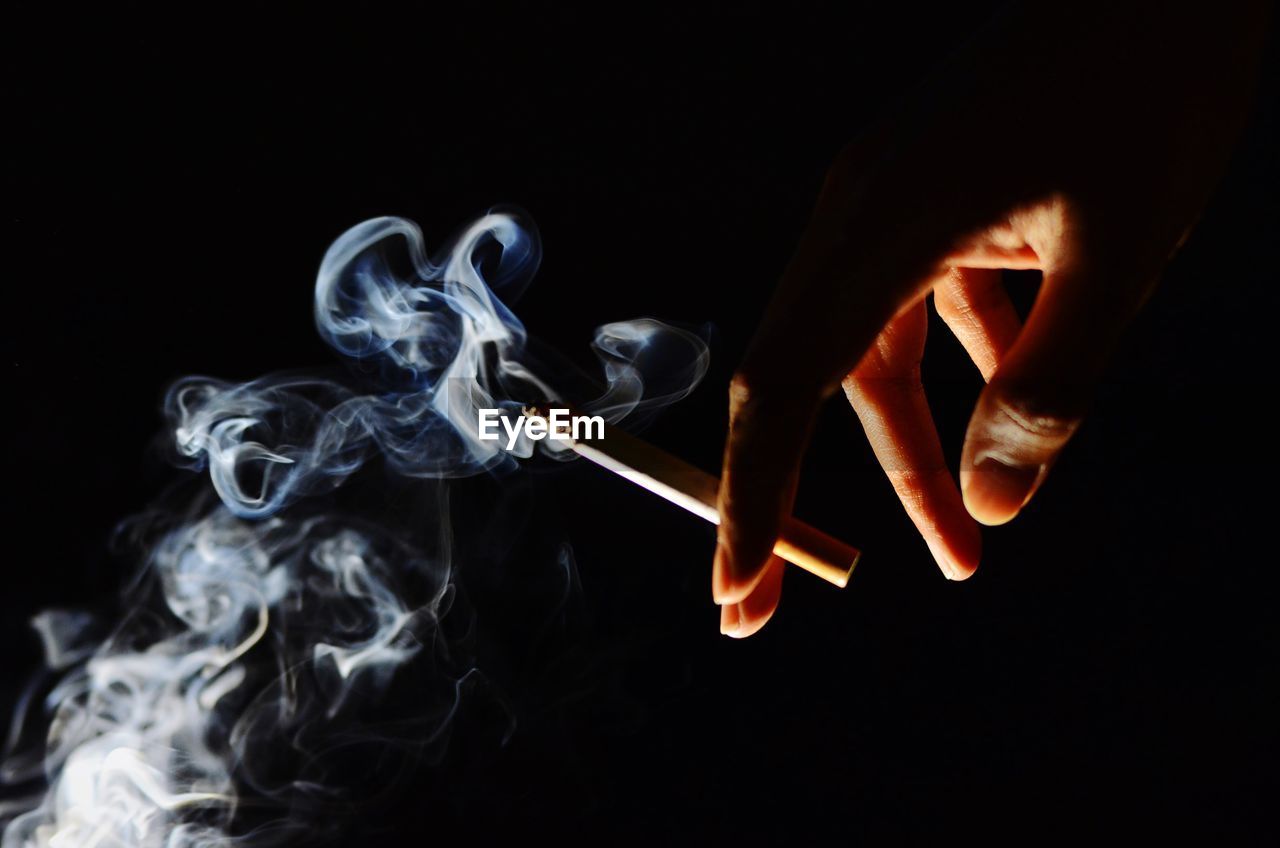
(1125, 118)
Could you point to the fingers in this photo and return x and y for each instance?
(886, 393)
(822, 317)
(745, 618)
(768, 429)
(975, 305)
(1037, 397)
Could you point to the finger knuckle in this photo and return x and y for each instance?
(916, 486)
(741, 388)
(752, 385)
(768, 390)
(954, 304)
(952, 308)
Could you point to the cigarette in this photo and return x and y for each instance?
(694, 489)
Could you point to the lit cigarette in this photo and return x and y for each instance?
(695, 490)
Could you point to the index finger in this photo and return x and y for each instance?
(814, 332)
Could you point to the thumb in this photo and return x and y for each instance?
(1039, 394)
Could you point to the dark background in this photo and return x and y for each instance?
(174, 183)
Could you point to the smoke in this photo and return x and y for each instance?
(269, 620)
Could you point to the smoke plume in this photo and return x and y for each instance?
(273, 627)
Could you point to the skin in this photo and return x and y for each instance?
(1081, 141)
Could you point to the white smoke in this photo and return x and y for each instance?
(263, 615)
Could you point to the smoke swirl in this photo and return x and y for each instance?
(266, 621)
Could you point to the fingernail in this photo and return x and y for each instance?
(721, 573)
(730, 620)
(958, 551)
(945, 565)
(996, 491)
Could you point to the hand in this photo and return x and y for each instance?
(1079, 142)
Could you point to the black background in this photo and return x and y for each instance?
(174, 183)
